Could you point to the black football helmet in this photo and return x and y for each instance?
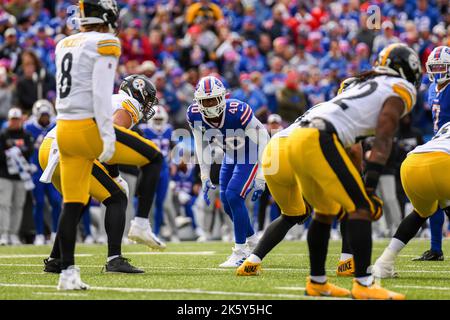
(400, 60)
(143, 90)
(99, 12)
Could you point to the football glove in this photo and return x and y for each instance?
(259, 185)
(109, 148)
(123, 185)
(378, 207)
(207, 187)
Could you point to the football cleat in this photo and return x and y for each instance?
(383, 269)
(345, 268)
(249, 269)
(52, 266)
(374, 292)
(121, 265)
(39, 240)
(235, 259)
(144, 235)
(70, 279)
(324, 290)
(430, 255)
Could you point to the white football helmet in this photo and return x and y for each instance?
(210, 88)
(43, 106)
(160, 119)
(438, 64)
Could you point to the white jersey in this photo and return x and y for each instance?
(354, 112)
(76, 57)
(122, 101)
(439, 143)
(286, 131)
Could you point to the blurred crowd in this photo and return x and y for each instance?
(279, 56)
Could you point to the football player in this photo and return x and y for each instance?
(41, 122)
(372, 105)
(438, 69)
(422, 171)
(230, 123)
(129, 109)
(158, 130)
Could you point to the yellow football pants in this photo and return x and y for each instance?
(425, 181)
(102, 186)
(80, 144)
(328, 177)
(283, 185)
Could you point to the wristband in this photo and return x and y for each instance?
(372, 174)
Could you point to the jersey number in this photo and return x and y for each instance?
(372, 86)
(65, 83)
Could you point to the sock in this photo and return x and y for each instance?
(239, 246)
(142, 222)
(67, 230)
(345, 246)
(365, 281)
(409, 227)
(146, 186)
(318, 237)
(252, 238)
(116, 207)
(112, 258)
(436, 224)
(345, 256)
(254, 258)
(359, 234)
(241, 219)
(273, 235)
(396, 245)
(318, 279)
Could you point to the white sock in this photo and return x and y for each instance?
(319, 279)
(396, 245)
(253, 238)
(112, 258)
(142, 222)
(240, 246)
(345, 256)
(365, 281)
(254, 258)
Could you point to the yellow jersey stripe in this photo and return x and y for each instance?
(108, 42)
(404, 94)
(109, 50)
(131, 110)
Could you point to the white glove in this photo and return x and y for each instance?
(259, 185)
(184, 197)
(109, 148)
(123, 185)
(207, 189)
(13, 152)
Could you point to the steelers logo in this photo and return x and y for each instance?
(413, 61)
(139, 84)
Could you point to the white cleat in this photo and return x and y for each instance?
(70, 279)
(15, 241)
(89, 240)
(4, 239)
(144, 235)
(235, 259)
(382, 269)
(39, 240)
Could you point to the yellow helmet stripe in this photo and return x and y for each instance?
(81, 4)
(387, 53)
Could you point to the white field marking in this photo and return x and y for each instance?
(64, 294)
(422, 287)
(200, 253)
(33, 273)
(13, 256)
(187, 291)
(291, 288)
(421, 263)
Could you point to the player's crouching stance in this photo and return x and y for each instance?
(243, 138)
(424, 171)
(316, 151)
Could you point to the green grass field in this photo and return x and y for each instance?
(190, 271)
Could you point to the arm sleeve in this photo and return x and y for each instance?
(203, 153)
(256, 132)
(103, 86)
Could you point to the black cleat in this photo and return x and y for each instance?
(52, 266)
(430, 255)
(121, 264)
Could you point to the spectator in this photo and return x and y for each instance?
(205, 9)
(6, 95)
(250, 30)
(365, 33)
(251, 60)
(251, 94)
(292, 101)
(165, 93)
(333, 57)
(185, 95)
(273, 81)
(34, 84)
(192, 54)
(302, 58)
(136, 46)
(276, 27)
(15, 142)
(385, 39)
(11, 50)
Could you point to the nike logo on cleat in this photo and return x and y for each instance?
(250, 269)
(344, 267)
